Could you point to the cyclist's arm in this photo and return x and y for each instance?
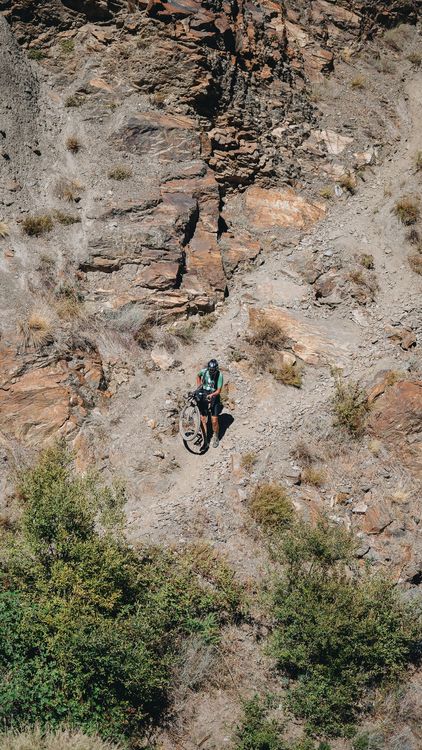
(199, 378)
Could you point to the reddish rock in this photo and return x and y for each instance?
(377, 518)
(396, 419)
(167, 137)
(282, 208)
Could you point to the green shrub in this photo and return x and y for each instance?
(89, 629)
(271, 507)
(367, 261)
(36, 54)
(338, 634)
(67, 46)
(350, 406)
(257, 731)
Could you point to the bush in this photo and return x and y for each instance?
(337, 634)
(288, 374)
(35, 226)
(407, 210)
(271, 507)
(257, 731)
(348, 183)
(69, 190)
(4, 230)
(36, 739)
(67, 46)
(89, 628)
(415, 58)
(327, 192)
(350, 406)
(120, 173)
(36, 54)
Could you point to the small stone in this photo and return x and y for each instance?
(360, 508)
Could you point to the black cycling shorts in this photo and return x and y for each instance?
(214, 406)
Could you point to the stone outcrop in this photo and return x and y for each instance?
(396, 419)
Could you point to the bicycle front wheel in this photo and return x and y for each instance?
(189, 422)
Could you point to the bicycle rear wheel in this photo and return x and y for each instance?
(189, 422)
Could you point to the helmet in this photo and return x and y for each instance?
(212, 365)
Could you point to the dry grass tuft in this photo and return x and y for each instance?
(69, 190)
(407, 210)
(327, 192)
(66, 219)
(313, 476)
(288, 374)
(73, 144)
(36, 330)
(75, 100)
(120, 172)
(206, 322)
(367, 261)
(144, 335)
(359, 82)
(185, 332)
(61, 739)
(415, 58)
(248, 461)
(271, 506)
(4, 230)
(348, 182)
(413, 236)
(268, 334)
(396, 38)
(303, 453)
(415, 263)
(35, 226)
(418, 161)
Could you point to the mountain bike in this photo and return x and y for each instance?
(190, 419)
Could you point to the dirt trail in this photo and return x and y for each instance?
(176, 495)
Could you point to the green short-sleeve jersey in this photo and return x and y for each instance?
(208, 381)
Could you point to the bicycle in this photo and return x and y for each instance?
(190, 418)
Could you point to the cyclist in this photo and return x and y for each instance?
(210, 382)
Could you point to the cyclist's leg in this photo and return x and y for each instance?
(215, 410)
(203, 410)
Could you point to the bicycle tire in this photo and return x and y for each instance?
(189, 422)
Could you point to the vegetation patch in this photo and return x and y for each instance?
(327, 192)
(348, 183)
(36, 330)
(67, 46)
(350, 405)
(260, 730)
(89, 628)
(35, 226)
(313, 476)
(73, 144)
(62, 739)
(66, 219)
(359, 82)
(407, 210)
(271, 507)
(415, 262)
(75, 100)
(248, 461)
(367, 261)
(120, 172)
(4, 230)
(36, 54)
(69, 190)
(185, 332)
(415, 58)
(339, 633)
(288, 374)
(268, 334)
